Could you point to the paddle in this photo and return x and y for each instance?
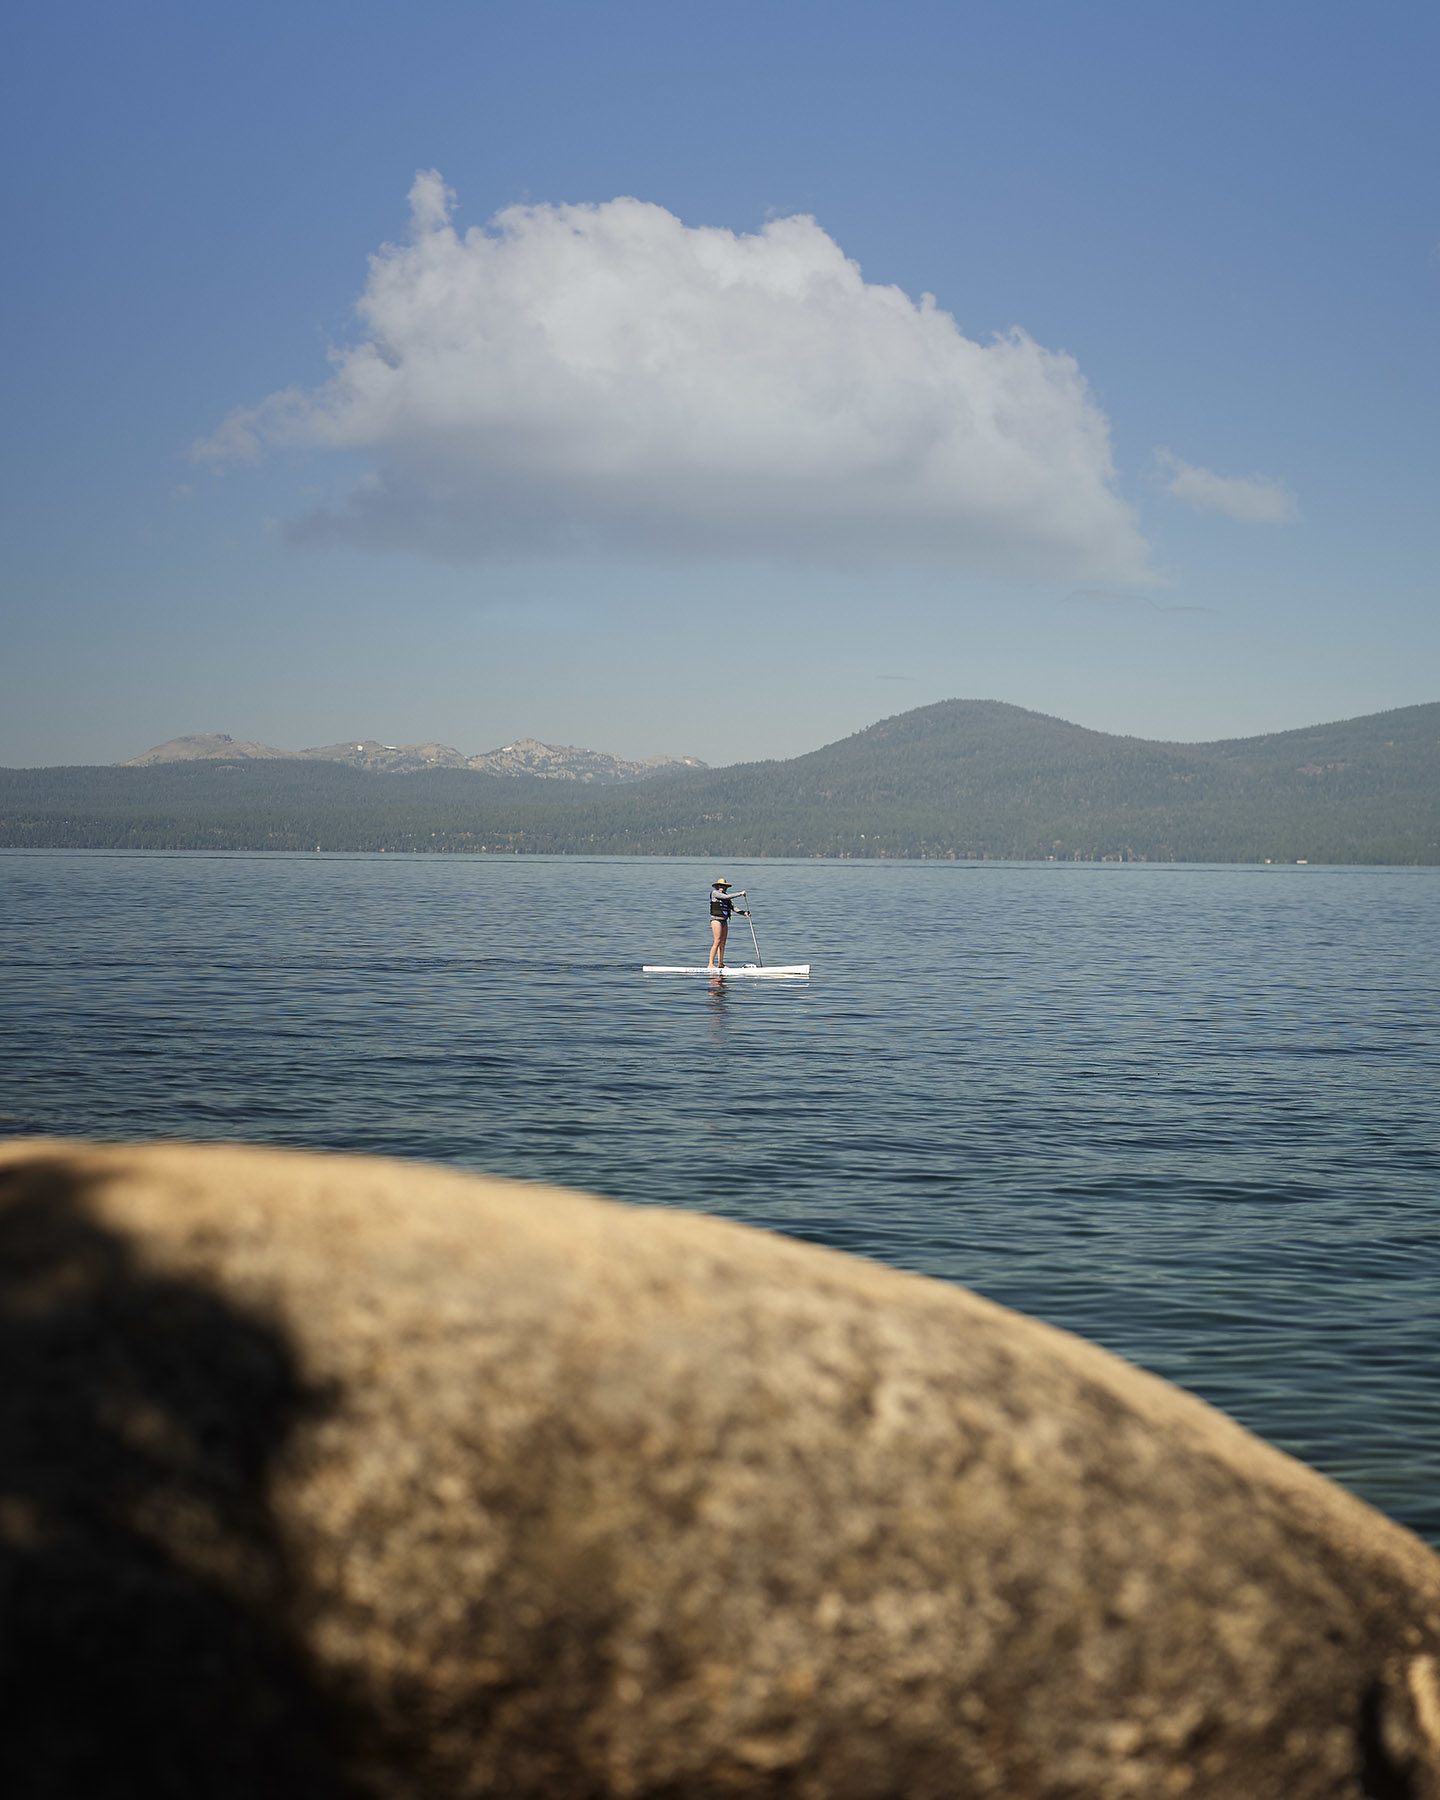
(758, 957)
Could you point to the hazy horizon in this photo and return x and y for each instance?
(246, 741)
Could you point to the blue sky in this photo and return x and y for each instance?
(692, 475)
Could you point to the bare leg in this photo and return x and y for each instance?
(717, 941)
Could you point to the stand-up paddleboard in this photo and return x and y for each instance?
(730, 969)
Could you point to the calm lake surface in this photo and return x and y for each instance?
(1192, 1113)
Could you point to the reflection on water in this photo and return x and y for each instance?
(1193, 1113)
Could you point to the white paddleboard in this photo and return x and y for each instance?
(730, 969)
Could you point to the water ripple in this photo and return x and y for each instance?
(1191, 1113)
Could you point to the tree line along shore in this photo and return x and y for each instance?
(961, 779)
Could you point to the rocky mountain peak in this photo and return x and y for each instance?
(525, 756)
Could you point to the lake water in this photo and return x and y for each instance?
(1192, 1113)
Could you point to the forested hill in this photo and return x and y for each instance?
(964, 778)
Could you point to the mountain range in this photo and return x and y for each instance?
(960, 779)
(526, 756)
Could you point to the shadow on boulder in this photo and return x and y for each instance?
(145, 1649)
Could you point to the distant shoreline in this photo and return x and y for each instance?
(962, 781)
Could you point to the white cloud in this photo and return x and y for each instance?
(1253, 500)
(608, 377)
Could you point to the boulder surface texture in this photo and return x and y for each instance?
(324, 1478)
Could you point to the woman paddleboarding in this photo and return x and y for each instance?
(721, 907)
